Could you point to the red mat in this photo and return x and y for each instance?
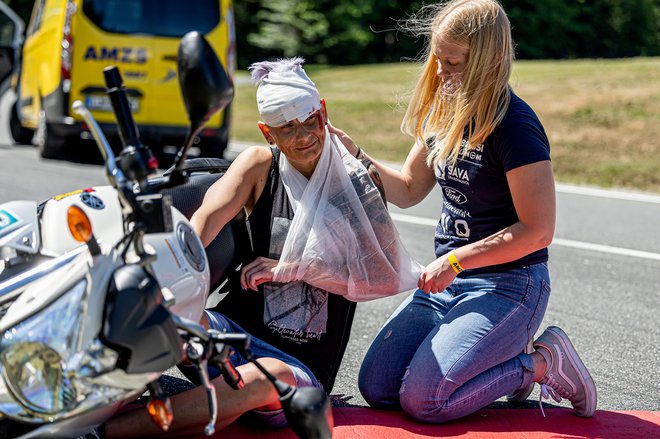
(352, 423)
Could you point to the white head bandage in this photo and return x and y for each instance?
(285, 91)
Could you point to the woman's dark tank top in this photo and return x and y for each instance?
(303, 321)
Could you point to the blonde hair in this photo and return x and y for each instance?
(484, 95)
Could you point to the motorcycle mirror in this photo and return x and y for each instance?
(204, 83)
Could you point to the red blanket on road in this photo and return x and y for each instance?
(485, 424)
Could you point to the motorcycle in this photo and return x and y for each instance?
(101, 288)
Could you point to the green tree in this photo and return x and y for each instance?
(585, 28)
(544, 28)
(290, 27)
(245, 13)
(366, 31)
(639, 28)
(337, 32)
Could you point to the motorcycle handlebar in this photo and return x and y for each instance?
(128, 131)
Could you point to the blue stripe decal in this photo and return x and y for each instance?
(6, 219)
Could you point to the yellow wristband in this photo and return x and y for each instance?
(451, 257)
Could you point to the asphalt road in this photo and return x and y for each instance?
(605, 271)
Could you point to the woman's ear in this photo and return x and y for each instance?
(266, 132)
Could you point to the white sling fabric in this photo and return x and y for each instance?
(342, 238)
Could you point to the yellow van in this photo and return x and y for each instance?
(69, 42)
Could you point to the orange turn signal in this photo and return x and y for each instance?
(160, 411)
(79, 224)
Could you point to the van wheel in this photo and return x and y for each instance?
(50, 145)
(20, 134)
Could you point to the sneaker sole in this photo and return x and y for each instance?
(584, 376)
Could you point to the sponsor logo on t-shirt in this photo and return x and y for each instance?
(458, 174)
(440, 170)
(456, 210)
(473, 155)
(454, 195)
(453, 228)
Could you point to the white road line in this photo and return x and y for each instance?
(606, 249)
(607, 193)
(557, 241)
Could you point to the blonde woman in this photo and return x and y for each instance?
(464, 338)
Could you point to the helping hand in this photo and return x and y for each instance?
(437, 276)
(257, 272)
(345, 139)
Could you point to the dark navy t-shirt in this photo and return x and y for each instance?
(476, 197)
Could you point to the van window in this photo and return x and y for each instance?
(37, 14)
(7, 31)
(168, 18)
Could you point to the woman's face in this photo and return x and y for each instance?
(451, 59)
(300, 142)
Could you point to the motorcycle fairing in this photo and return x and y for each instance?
(19, 227)
(106, 222)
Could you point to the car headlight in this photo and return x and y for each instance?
(32, 354)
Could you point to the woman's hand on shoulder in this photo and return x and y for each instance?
(350, 145)
(406, 187)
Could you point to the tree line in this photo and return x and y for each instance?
(367, 31)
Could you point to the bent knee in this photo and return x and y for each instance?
(427, 403)
(425, 409)
(276, 367)
(377, 393)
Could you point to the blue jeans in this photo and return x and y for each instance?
(445, 355)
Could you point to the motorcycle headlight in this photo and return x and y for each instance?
(34, 373)
(32, 354)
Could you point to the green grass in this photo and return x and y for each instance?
(602, 116)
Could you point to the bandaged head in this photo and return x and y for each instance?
(285, 91)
